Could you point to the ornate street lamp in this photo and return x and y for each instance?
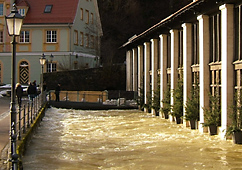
(42, 61)
(51, 59)
(14, 23)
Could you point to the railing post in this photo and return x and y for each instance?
(77, 97)
(24, 121)
(19, 123)
(31, 112)
(28, 125)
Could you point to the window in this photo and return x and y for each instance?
(75, 37)
(24, 37)
(91, 18)
(87, 40)
(81, 14)
(51, 67)
(87, 17)
(1, 36)
(92, 41)
(51, 36)
(215, 38)
(81, 39)
(195, 46)
(48, 8)
(21, 12)
(1, 8)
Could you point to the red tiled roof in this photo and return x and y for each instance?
(63, 11)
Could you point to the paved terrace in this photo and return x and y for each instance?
(5, 129)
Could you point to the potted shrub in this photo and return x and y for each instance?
(167, 102)
(177, 108)
(213, 113)
(148, 105)
(236, 116)
(156, 101)
(140, 99)
(192, 107)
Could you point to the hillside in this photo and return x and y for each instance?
(121, 19)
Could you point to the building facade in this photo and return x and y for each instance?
(66, 32)
(203, 40)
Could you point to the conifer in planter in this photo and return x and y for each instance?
(177, 108)
(236, 115)
(156, 101)
(212, 114)
(167, 102)
(148, 105)
(192, 106)
(140, 99)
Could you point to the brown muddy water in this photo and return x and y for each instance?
(124, 139)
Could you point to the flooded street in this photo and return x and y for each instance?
(124, 139)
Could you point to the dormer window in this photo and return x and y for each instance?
(21, 12)
(48, 8)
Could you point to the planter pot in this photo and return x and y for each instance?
(166, 115)
(237, 137)
(178, 120)
(213, 129)
(193, 124)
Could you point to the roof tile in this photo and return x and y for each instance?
(63, 11)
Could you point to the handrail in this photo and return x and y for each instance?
(26, 114)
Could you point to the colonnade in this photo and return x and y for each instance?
(150, 60)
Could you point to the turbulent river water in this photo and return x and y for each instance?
(124, 139)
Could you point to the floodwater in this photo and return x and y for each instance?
(124, 140)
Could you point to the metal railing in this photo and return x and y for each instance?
(81, 96)
(27, 113)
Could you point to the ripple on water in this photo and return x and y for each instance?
(124, 139)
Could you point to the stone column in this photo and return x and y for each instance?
(146, 73)
(140, 68)
(187, 63)
(174, 62)
(154, 65)
(204, 67)
(227, 53)
(135, 70)
(163, 67)
(129, 71)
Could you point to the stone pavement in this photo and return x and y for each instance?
(4, 130)
(4, 121)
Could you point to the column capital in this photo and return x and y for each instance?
(200, 17)
(186, 25)
(173, 30)
(146, 43)
(163, 35)
(139, 46)
(226, 6)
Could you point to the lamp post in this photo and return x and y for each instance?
(51, 59)
(42, 63)
(14, 23)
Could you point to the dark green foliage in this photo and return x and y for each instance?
(140, 99)
(121, 19)
(177, 108)
(167, 101)
(212, 114)
(95, 79)
(235, 115)
(148, 105)
(156, 101)
(192, 104)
